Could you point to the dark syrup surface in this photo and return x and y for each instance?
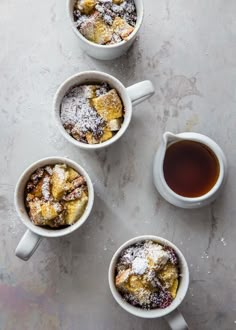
(191, 169)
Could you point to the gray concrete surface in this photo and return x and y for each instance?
(188, 50)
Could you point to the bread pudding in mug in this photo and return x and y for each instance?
(147, 275)
(92, 113)
(56, 196)
(105, 22)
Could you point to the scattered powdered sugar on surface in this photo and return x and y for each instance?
(223, 241)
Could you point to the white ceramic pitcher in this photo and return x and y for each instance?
(160, 182)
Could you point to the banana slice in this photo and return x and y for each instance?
(174, 288)
(114, 124)
(75, 209)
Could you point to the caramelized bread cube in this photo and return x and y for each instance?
(91, 139)
(168, 274)
(96, 30)
(72, 174)
(107, 135)
(75, 209)
(122, 28)
(86, 6)
(37, 191)
(102, 32)
(50, 210)
(109, 105)
(122, 279)
(114, 124)
(35, 212)
(90, 91)
(87, 28)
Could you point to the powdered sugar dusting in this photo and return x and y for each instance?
(107, 11)
(146, 272)
(78, 115)
(139, 265)
(46, 187)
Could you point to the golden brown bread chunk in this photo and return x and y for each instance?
(35, 212)
(96, 30)
(109, 105)
(122, 28)
(72, 174)
(91, 139)
(117, 2)
(57, 198)
(122, 279)
(107, 135)
(168, 274)
(86, 6)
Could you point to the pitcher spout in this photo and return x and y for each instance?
(169, 137)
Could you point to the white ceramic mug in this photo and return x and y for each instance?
(171, 313)
(159, 180)
(32, 237)
(130, 96)
(106, 52)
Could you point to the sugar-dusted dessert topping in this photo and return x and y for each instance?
(46, 187)
(77, 112)
(54, 194)
(138, 269)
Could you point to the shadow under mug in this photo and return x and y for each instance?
(171, 313)
(130, 97)
(33, 236)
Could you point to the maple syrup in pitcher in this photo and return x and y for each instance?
(191, 169)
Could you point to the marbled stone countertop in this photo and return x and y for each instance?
(188, 50)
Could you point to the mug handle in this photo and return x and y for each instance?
(176, 321)
(141, 91)
(27, 245)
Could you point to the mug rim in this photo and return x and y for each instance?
(153, 313)
(117, 45)
(100, 76)
(215, 148)
(21, 209)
